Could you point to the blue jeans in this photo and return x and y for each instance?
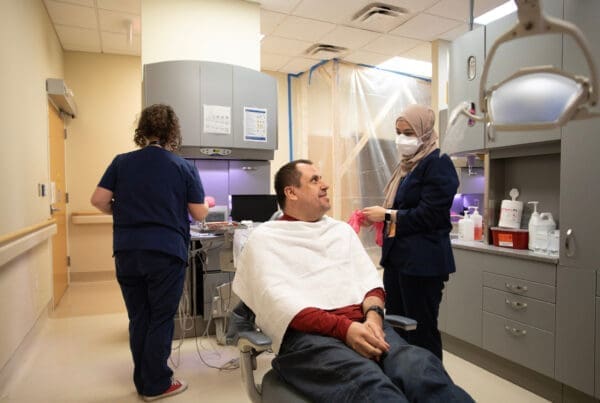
(326, 370)
(152, 284)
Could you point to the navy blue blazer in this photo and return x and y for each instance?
(421, 246)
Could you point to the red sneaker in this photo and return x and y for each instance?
(177, 386)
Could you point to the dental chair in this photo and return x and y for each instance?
(251, 343)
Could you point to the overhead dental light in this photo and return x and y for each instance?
(538, 97)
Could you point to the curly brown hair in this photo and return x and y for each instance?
(158, 121)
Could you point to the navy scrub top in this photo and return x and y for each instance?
(151, 190)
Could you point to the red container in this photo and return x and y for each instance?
(510, 238)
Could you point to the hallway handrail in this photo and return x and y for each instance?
(15, 243)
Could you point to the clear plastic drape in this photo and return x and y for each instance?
(344, 121)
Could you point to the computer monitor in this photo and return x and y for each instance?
(258, 208)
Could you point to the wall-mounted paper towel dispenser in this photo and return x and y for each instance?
(61, 96)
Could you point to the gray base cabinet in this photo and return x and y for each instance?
(597, 380)
(464, 298)
(575, 326)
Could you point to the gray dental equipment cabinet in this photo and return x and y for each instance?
(228, 119)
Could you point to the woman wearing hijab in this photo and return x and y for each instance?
(416, 254)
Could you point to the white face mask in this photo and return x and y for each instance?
(407, 145)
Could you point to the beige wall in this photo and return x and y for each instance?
(201, 30)
(30, 53)
(107, 90)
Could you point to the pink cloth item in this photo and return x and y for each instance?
(210, 201)
(356, 221)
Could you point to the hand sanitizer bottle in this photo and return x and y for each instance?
(477, 225)
(533, 221)
(465, 228)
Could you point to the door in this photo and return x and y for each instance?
(58, 204)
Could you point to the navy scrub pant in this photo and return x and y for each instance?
(325, 369)
(152, 284)
(416, 297)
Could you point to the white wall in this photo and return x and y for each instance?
(30, 53)
(201, 30)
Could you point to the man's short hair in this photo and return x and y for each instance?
(287, 175)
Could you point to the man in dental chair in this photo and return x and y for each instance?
(318, 296)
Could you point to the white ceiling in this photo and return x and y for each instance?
(290, 28)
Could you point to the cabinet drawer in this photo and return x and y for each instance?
(525, 310)
(533, 348)
(538, 272)
(518, 286)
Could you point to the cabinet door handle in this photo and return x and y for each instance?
(515, 332)
(490, 130)
(516, 287)
(516, 305)
(569, 243)
(248, 169)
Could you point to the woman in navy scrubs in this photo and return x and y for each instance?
(149, 192)
(416, 254)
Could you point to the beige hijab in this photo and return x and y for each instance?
(421, 118)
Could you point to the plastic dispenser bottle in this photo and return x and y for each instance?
(533, 221)
(465, 228)
(543, 229)
(477, 225)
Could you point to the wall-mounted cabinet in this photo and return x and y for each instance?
(223, 178)
(467, 55)
(532, 51)
(474, 46)
(219, 105)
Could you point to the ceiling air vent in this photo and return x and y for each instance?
(324, 51)
(380, 16)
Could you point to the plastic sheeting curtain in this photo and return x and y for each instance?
(344, 121)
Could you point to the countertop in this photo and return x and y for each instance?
(497, 250)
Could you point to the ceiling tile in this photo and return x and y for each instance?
(425, 27)
(459, 9)
(114, 21)
(298, 65)
(391, 45)
(303, 29)
(127, 6)
(269, 20)
(456, 32)
(413, 6)
(351, 38)
(70, 14)
(362, 57)
(87, 3)
(118, 43)
(421, 52)
(281, 6)
(273, 62)
(284, 46)
(379, 22)
(82, 39)
(336, 11)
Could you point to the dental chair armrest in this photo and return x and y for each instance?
(401, 322)
(256, 340)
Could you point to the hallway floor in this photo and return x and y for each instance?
(81, 355)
